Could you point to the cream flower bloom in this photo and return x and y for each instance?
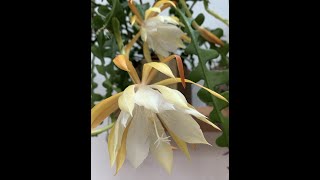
(162, 35)
(147, 110)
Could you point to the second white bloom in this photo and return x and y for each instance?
(162, 35)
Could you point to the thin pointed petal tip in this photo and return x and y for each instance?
(181, 70)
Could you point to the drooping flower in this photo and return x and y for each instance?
(160, 33)
(147, 112)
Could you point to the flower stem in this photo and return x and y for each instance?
(194, 2)
(117, 33)
(99, 131)
(217, 16)
(185, 7)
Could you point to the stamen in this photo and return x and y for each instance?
(162, 138)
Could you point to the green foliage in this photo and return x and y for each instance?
(212, 78)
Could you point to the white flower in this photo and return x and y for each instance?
(162, 35)
(146, 111)
(151, 106)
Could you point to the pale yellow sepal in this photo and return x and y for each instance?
(162, 67)
(172, 95)
(102, 110)
(150, 10)
(160, 3)
(112, 153)
(146, 52)
(204, 119)
(126, 101)
(186, 38)
(120, 62)
(121, 156)
(133, 19)
(135, 11)
(181, 144)
(209, 122)
(177, 21)
(177, 80)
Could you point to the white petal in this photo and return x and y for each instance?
(190, 110)
(126, 100)
(159, 50)
(194, 112)
(159, 66)
(138, 142)
(124, 118)
(184, 126)
(162, 152)
(171, 95)
(163, 43)
(151, 99)
(121, 123)
(143, 34)
(162, 37)
(168, 19)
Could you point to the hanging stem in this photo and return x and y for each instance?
(194, 2)
(99, 131)
(217, 16)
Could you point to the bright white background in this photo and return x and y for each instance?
(207, 163)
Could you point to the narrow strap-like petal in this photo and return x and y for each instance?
(103, 109)
(121, 156)
(177, 80)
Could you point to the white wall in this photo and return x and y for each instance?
(208, 163)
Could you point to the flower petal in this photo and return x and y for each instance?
(112, 153)
(144, 35)
(146, 52)
(180, 66)
(168, 19)
(177, 80)
(150, 10)
(122, 151)
(161, 2)
(138, 141)
(181, 144)
(103, 109)
(172, 95)
(135, 10)
(151, 99)
(133, 19)
(162, 67)
(126, 100)
(162, 152)
(184, 126)
(192, 111)
(119, 128)
(120, 62)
